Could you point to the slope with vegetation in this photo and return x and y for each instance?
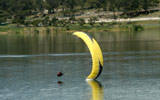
(73, 14)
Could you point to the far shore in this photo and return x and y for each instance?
(101, 25)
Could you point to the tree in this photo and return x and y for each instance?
(38, 5)
(81, 21)
(3, 16)
(104, 4)
(92, 21)
(63, 23)
(51, 5)
(71, 4)
(72, 20)
(146, 4)
(93, 4)
(4, 5)
(54, 21)
(46, 21)
(37, 23)
(81, 3)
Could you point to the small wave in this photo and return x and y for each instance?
(69, 54)
(41, 55)
(131, 58)
(131, 55)
(130, 52)
(80, 54)
(18, 56)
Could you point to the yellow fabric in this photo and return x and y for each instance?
(97, 90)
(96, 53)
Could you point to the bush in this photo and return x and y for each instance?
(81, 21)
(27, 23)
(93, 20)
(18, 21)
(63, 23)
(137, 27)
(54, 21)
(37, 22)
(102, 23)
(72, 20)
(3, 16)
(46, 21)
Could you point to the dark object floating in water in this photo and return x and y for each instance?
(59, 74)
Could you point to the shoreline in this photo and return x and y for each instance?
(129, 24)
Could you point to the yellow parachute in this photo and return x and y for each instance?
(96, 53)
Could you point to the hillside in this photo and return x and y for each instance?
(47, 12)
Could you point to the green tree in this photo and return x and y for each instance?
(92, 4)
(36, 22)
(46, 21)
(54, 21)
(81, 3)
(63, 23)
(92, 21)
(37, 5)
(146, 4)
(81, 21)
(19, 20)
(72, 20)
(51, 5)
(71, 4)
(4, 5)
(20, 10)
(3, 16)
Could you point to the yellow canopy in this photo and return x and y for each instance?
(96, 53)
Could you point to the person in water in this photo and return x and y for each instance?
(60, 74)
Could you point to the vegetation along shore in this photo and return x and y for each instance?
(74, 15)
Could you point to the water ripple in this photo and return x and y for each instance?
(83, 54)
(41, 55)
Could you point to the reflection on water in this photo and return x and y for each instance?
(60, 82)
(43, 43)
(97, 90)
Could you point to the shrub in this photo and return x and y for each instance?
(102, 23)
(137, 27)
(54, 21)
(81, 21)
(72, 20)
(27, 23)
(37, 22)
(63, 23)
(93, 20)
(46, 21)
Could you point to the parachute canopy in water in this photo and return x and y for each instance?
(96, 53)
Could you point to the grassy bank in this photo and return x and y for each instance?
(114, 26)
(97, 27)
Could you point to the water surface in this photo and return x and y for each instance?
(29, 64)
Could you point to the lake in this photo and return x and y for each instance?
(29, 64)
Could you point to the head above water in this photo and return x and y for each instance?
(60, 74)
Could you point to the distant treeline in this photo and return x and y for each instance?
(19, 9)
